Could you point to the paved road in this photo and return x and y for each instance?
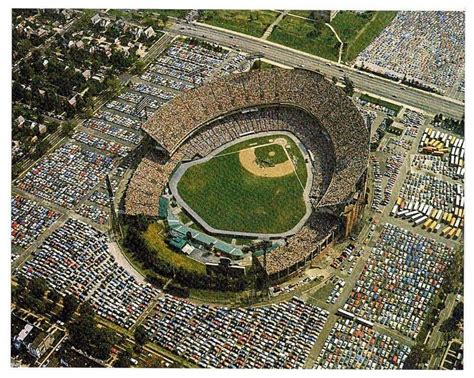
(412, 97)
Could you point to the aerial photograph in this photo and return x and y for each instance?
(231, 188)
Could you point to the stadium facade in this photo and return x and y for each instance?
(297, 101)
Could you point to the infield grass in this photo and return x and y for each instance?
(228, 197)
(271, 154)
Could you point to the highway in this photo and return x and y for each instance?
(363, 82)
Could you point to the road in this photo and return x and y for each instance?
(364, 82)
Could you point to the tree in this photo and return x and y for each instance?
(38, 287)
(70, 305)
(138, 67)
(54, 296)
(85, 335)
(68, 128)
(140, 335)
(349, 86)
(22, 283)
(123, 359)
(86, 309)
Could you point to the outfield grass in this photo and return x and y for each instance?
(153, 236)
(228, 197)
(243, 21)
(307, 36)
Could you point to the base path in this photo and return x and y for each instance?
(248, 160)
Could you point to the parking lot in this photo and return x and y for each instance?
(352, 345)
(75, 260)
(399, 280)
(275, 336)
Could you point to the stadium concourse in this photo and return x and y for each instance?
(298, 101)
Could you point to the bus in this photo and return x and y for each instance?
(420, 220)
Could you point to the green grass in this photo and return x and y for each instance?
(378, 101)
(184, 218)
(178, 13)
(238, 241)
(323, 293)
(357, 31)
(306, 36)
(228, 197)
(243, 21)
(264, 154)
(348, 23)
(262, 65)
(153, 236)
(302, 13)
(293, 151)
(223, 297)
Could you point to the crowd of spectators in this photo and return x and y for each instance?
(29, 220)
(146, 186)
(301, 247)
(75, 260)
(306, 128)
(425, 46)
(345, 128)
(352, 345)
(399, 280)
(64, 176)
(275, 336)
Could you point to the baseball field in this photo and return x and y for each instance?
(252, 186)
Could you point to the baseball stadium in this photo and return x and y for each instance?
(276, 155)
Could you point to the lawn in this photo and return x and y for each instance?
(153, 236)
(308, 36)
(244, 21)
(358, 30)
(302, 13)
(228, 197)
(377, 101)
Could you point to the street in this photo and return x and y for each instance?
(364, 82)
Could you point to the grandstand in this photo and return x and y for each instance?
(301, 102)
